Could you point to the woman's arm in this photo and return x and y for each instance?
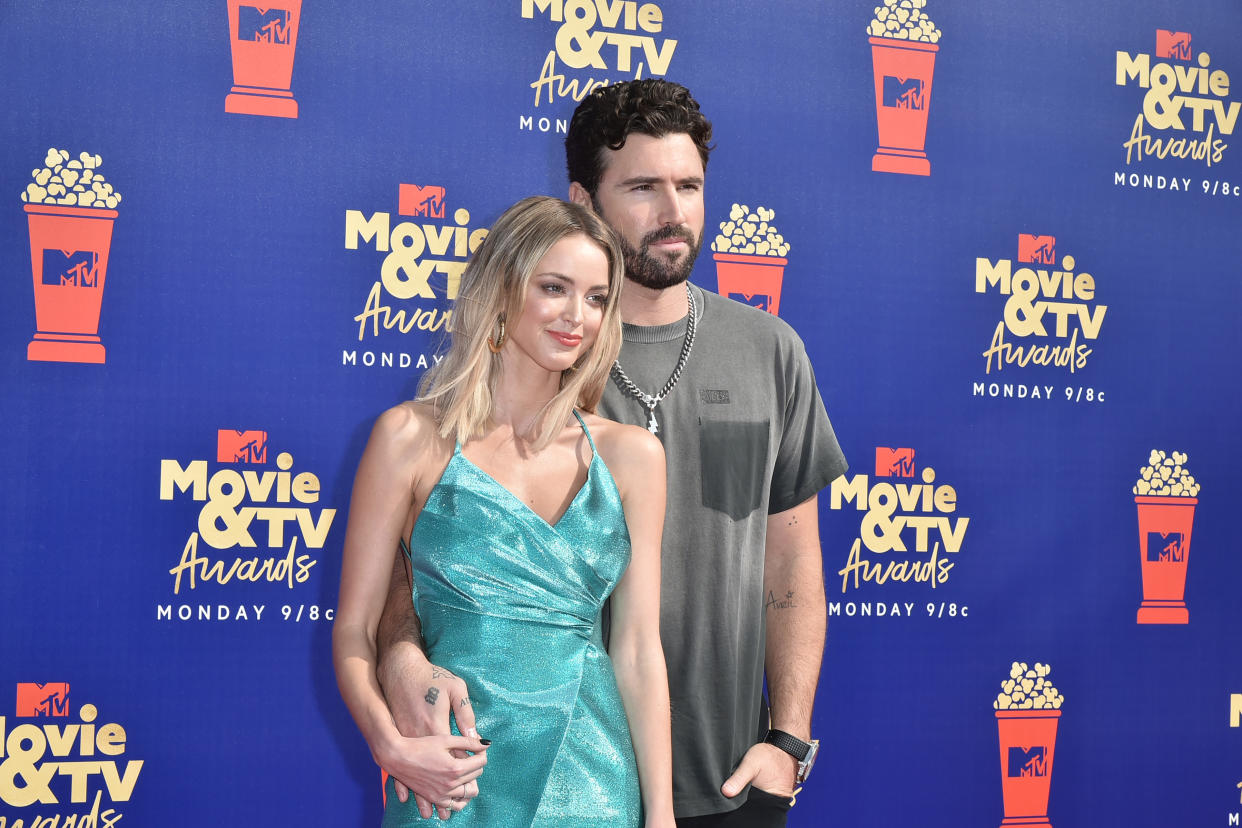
(412, 684)
(636, 459)
(382, 500)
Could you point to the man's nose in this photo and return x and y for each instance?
(672, 211)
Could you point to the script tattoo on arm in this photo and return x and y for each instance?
(433, 693)
(775, 603)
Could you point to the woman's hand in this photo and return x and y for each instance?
(441, 769)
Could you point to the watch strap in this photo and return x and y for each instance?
(789, 743)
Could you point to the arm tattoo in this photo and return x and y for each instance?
(433, 693)
(465, 702)
(440, 672)
(773, 602)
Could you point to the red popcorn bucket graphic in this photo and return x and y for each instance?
(1164, 553)
(752, 280)
(1027, 744)
(903, 85)
(69, 263)
(263, 40)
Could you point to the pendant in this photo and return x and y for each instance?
(652, 426)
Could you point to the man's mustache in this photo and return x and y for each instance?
(665, 233)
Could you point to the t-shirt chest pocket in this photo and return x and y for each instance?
(732, 460)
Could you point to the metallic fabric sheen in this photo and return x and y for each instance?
(512, 605)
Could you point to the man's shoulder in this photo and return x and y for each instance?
(734, 319)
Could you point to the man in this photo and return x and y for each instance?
(730, 392)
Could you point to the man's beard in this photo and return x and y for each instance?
(656, 273)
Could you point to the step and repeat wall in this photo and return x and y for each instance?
(1008, 234)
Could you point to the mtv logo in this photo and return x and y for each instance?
(1037, 249)
(894, 462)
(241, 446)
(762, 301)
(263, 25)
(36, 699)
(1165, 548)
(413, 200)
(1027, 762)
(76, 268)
(904, 93)
(1174, 45)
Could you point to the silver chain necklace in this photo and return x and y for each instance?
(650, 401)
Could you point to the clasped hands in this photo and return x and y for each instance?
(440, 769)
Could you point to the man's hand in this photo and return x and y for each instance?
(767, 768)
(422, 696)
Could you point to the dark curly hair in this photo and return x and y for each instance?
(606, 117)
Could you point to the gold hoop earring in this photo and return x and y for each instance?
(495, 345)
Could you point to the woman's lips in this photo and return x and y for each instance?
(566, 339)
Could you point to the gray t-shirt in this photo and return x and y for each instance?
(745, 435)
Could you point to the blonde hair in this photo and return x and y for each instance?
(493, 287)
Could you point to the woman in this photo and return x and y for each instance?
(522, 509)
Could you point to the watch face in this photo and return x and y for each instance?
(804, 767)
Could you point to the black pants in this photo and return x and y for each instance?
(762, 810)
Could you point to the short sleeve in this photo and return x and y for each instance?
(808, 455)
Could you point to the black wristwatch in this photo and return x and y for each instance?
(804, 752)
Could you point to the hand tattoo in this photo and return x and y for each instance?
(433, 693)
(440, 672)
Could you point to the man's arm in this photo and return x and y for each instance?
(419, 694)
(793, 583)
(796, 616)
(399, 622)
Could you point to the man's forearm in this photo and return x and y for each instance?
(796, 617)
(795, 646)
(399, 629)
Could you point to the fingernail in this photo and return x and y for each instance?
(485, 741)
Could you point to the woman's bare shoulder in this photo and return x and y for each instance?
(408, 432)
(626, 449)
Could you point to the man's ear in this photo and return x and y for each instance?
(578, 195)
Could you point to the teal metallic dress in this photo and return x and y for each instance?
(512, 604)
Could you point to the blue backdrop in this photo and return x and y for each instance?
(301, 182)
